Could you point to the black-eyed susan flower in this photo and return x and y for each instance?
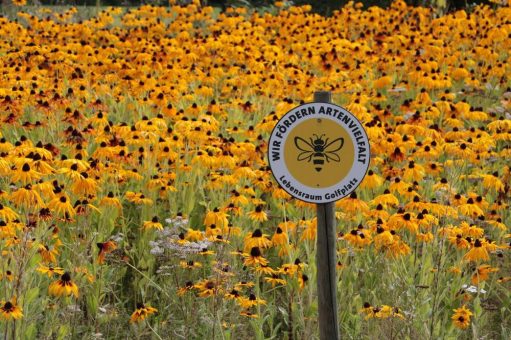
(27, 198)
(19, 2)
(50, 270)
(7, 214)
(249, 302)
(142, 312)
(264, 270)
(190, 264)
(275, 280)
(371, 181)
(216, 217)
(233, 294)
(9, 310)
(25, 174)
(478, 252)
(152, 224)
(280, 237)
(104, 249)
(258, 214)
(64, 286)
(383, 238)
(111, 200)
(249, 314)
(188, 287)
(302, 281)
(207, 288)
(481, 273)
(257, 239)
(461, 317)
(254, 258)
(62, 205)
(49, 253)
(359, 237)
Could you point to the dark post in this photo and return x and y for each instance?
(326, 260)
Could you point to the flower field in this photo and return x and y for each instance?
(136, 200)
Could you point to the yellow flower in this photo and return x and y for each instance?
(207, 288)
(302, 281)
(275, 280)
(250, 302)
(478, 252)
(111, 200)
(371, 181)
(26, 197)
(259, 214)
(7, 214)
(105, 248)
(481, 273)
(142, 312)
(9, 310)
(138, 198)
(190, 264)
(249, 314)
(257, 239)
(63, 286)
(217, 218)
(461, 317)
(25, 174)
(50, 271)
(187, 288)
(254, 258)
(19, 2)
(62, 205)
(153, 224)
(280, 237)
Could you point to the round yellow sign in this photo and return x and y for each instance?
(319, 152)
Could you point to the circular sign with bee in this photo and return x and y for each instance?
(319, 152)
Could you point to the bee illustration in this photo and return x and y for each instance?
(318, 150)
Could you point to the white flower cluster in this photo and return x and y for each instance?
(178, 222)
(168, 240)
(473, 289)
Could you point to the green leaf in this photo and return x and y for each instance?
(63, 332)
(31, 294)
(30, 332)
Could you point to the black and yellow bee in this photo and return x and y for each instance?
(318, 150)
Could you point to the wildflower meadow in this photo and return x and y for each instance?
(136, 200)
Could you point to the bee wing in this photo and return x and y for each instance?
(335, 145)
(331, 149)
(305, 155)
(330, 156)
(303, 145)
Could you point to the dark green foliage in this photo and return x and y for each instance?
(324, 7)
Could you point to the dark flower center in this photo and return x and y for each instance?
(8, 307)
(66, 277)
(257, 233)
(255, 252)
